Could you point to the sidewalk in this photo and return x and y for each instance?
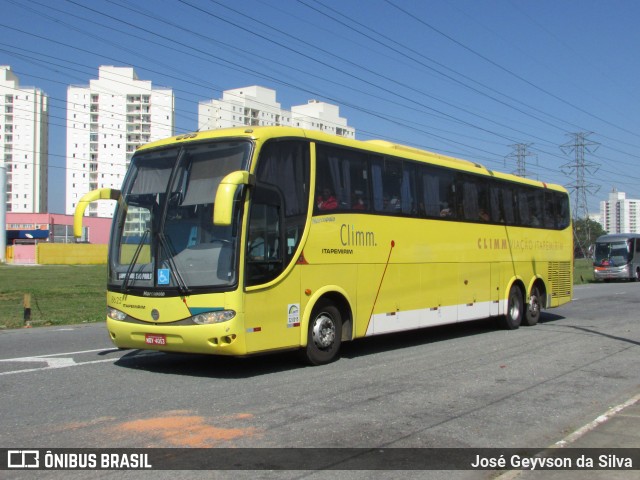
(619, 427)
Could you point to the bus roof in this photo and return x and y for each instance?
(382, 147)
(616, 237)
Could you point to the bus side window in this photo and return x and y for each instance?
(549, 210)
(341, 180)
(523, 208)
(497, 214)
(264, 246)
(387, 180)
(438, 193)
(508, 205)
(561, 202)
(535, 207)
(430, 205)
(469, 199)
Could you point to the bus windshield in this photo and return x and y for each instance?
(163, 236)
(612, 253)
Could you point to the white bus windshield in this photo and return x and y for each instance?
(612, 253)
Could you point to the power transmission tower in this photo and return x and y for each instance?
(520, 154)
(580, 167)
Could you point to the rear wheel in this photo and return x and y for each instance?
(324, 335)
(515, 309)
(532, 314)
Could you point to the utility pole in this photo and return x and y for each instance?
(580, 167)
(520, 154)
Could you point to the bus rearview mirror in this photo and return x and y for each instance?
(223, 205)
(92, 196)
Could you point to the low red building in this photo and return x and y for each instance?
(24, 228)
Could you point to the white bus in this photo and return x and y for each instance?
(617, 257)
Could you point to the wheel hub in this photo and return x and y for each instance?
(324, 331)
(534, 305)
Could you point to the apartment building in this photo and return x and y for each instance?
(106, 121)
(620, 214)
(24, 138)
(257, 106)
(316, 115)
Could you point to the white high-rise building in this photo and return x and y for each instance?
(620, 214)
(106, 121)
(316, 115)
(251, 106)
(257, 106)
(24, 140)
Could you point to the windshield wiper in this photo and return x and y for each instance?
(182, 285)
(134, 259)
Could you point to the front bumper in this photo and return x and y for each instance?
(217, 339)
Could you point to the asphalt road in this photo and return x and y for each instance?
(468, 385)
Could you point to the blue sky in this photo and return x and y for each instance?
(460, 77)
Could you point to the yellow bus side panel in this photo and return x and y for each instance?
(273, 315)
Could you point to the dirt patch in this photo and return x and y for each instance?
(181, 429)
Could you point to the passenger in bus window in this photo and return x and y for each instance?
(394, 204)
(358, 203)
(483, 215)
(326, 201)
(445, 211)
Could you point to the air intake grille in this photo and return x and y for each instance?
(560, 279)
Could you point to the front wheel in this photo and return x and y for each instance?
(324, 335)
(515, 309)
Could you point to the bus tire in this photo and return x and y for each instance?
(515, 309)
(324, 335)
(532, 312)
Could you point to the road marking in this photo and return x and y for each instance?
(52, 361)
(72, 364)
(572, 437)
(592, 425)
(17, 359)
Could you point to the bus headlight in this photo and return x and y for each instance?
(209, 318)
(114, 314)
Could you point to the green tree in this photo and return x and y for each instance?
(585, 231)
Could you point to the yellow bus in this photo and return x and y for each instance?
(239, 241)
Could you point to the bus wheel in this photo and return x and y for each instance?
(515, 309)
(325, 334)
(532, 313)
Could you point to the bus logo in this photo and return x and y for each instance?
(352, 237)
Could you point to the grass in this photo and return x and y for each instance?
(67, 294)
(582, 271)
(60, 294)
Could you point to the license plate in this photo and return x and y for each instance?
(154, 339)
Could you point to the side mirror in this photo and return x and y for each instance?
(92, 196)
(223, 205)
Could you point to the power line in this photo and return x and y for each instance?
(508, 71)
